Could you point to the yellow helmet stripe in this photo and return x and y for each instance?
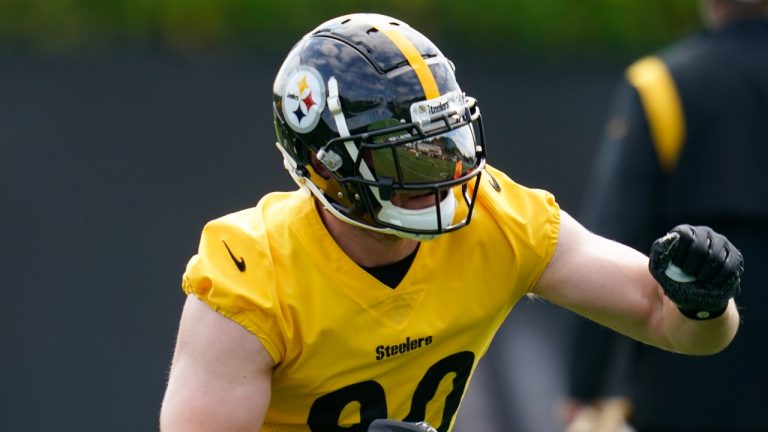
(411, 54)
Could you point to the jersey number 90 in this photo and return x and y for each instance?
(325, 411)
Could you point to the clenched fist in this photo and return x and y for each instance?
(699, 270)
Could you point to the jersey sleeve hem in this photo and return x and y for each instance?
(241, 319)
(551, 244)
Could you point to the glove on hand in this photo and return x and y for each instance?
(387, 425)
(712, 262)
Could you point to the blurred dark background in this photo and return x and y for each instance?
(126, 125)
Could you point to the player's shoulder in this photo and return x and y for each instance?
(511, 198)
(234, 244)
(253, 229)
(522, 213)
(271, 211)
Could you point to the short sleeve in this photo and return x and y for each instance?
(231, 273)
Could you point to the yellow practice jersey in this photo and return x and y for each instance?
(350, 349)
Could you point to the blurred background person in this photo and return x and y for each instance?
(687, 140)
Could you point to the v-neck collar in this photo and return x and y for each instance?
(353, 280)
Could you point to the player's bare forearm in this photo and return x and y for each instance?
(611, 284)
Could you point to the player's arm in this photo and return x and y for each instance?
(220, 379)
(611, 284)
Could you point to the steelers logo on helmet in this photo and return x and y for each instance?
(303, 99)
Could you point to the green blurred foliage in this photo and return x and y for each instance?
(535, 26)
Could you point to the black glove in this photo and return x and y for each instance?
(388, 425)
(713, 264)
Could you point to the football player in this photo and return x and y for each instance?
(372, 292)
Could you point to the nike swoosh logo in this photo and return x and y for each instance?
(239, 262)
(494, 183)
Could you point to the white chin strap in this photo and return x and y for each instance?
(420, 219)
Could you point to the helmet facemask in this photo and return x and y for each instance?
(405, 176)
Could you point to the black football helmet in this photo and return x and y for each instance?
(370, 119)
